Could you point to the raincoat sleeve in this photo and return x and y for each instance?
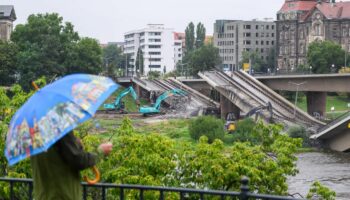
(73, 153)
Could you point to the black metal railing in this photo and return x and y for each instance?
(102, 191)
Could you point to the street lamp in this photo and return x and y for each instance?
(296, 95)
(310, 69)
(332, 69)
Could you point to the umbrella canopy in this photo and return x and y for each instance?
(53, 111)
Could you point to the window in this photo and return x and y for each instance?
(257, 42)
(272, 42)
(257, 27)
(154, 66)
(273, 27)
(267, 27)
(155, 59)
(246, 27)
(154, 46)
(261, 50)
(154, 33)
(262, 42)
(267, 42)
(154, 53)
(247, 42)
(246, 34)
(256, 34)
(154, 40)
(272, 34)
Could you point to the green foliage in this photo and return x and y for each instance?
(8, 63)
(113, 59)
(300, 132)
(139, 61)
(318, 191)
(126, 128)
(49, 47)
(258, 64)
(321, 55)
(153, 75)
(190, 37)
(208, 126)
(202, 59)
(244, 131)
(200, 35)
(85, 57)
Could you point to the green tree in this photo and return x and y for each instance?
(204, 58)
(321, 55)
(49, 47)
(190, 37)
(209, 126)
(8, 63)
(85, 57)
(139, 61)
(200, 35)
(257, 63)
(113, 59)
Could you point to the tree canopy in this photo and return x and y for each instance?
(8, 63)
(113, 59)
(322, 55)
(49, 47)
(204, 58)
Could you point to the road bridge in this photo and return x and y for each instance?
(242, 92)
(336, 135)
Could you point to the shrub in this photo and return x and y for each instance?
(208, 126)
(244, 131)
(300, 132)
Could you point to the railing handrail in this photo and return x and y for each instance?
(243, 194)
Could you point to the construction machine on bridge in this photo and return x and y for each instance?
(155, 109)
(119, 105)
(231, 119)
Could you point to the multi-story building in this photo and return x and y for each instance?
(300, 22)
(179, 45)
(233, 37)
(158, 46)
(7, 17)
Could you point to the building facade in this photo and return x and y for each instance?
(7, 17)
(159, 47)
(300, 22)
(233, 37)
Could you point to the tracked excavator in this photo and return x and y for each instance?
(155, 109)
(231, 121)
(118, 104)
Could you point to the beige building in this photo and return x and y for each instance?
(7, 17)
(300, 22)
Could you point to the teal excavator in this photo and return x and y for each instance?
(118, 104)
(155, 109)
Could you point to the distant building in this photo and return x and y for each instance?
(158, 46)
(233, 37)
(208, 39)
(300, 22)
(118, 44)
(179, 45)
(7, 17)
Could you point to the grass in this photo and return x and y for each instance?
(340, 103)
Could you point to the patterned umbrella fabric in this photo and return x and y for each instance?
(53, 111)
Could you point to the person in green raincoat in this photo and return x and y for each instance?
(56, 173)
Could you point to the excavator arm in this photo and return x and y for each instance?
(155, 108)
(118, 101)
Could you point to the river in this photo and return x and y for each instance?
(330, 168)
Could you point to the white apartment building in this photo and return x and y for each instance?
(158, 47)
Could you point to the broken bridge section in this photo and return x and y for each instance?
(247, 93)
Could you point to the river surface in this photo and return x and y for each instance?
(331, 169)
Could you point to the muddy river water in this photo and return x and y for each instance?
(331, 169)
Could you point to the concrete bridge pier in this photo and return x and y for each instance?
(227, 106)
(316, 103)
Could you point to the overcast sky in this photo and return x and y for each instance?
(108, 20)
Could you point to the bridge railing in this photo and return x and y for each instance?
(102, 191)
(335, 121)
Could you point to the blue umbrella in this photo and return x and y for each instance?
(53, 111)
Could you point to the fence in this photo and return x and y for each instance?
(101, 190)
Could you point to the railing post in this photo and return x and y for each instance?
(30, 191)
(84, 192)
(244, 188)
(121, 194)
(103, 193)
(11, 190)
